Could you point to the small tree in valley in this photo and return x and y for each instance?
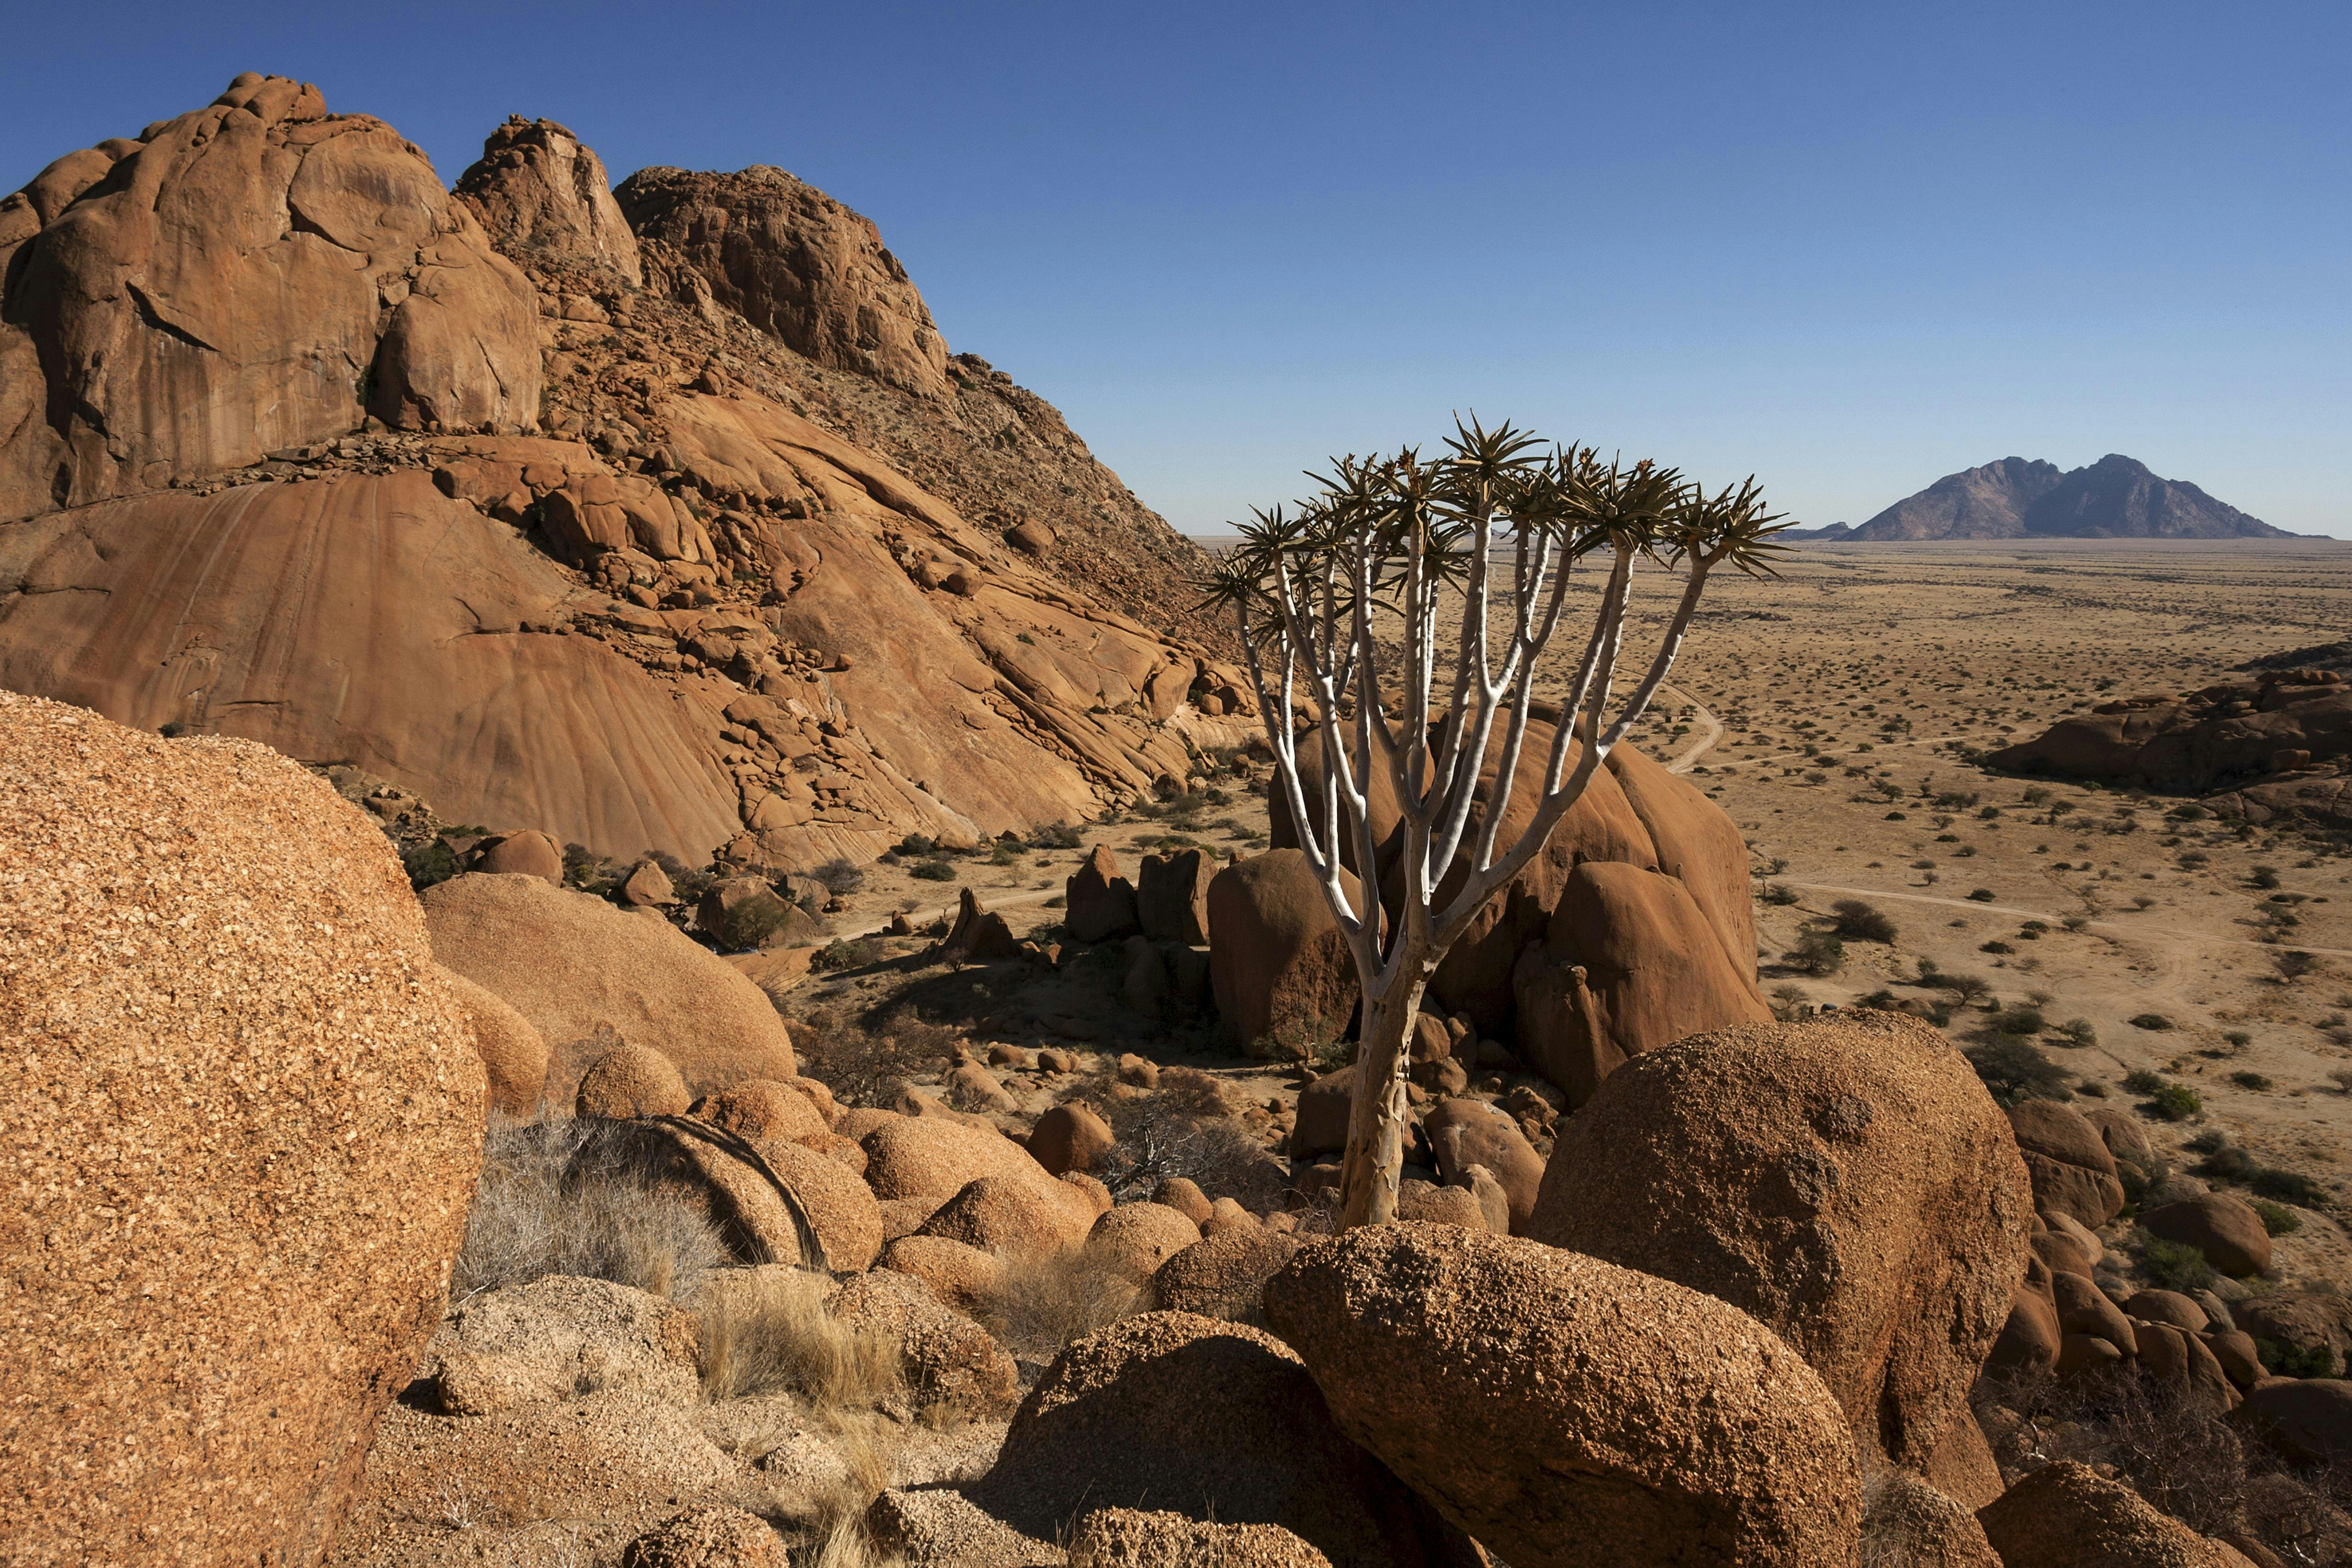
(1344, 596)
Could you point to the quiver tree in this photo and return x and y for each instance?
(1344, 596)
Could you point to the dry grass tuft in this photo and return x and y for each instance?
(781, 1340)
(835, 1525)
(527, 1222)
(1041, 1305)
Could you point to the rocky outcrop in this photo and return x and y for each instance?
(537, 190)
(1872, 1211)
(796, 263)
(251, 275)
(2073, 1171)
(2064, 1514)
(704, 624)
(2286, 728)
(242, 1132)
(2017, 497)
(1563, 1410)
(571, 964)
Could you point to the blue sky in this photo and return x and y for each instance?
(1849, 248)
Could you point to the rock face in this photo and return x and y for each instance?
(2065, 1515)
(536, 188)
(250, 276)
(1279, 962)
(225, 1257)
(1988, 502)
(571, 963)
(2073, 1170)
(1210, 1421)
(1563, 1410)
(370, 619)
(1171, 898)
(793, 262)
(2229, 1232)
(514, 1055)
(1872, 1210)
(536, 633)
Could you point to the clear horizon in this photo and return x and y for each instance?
(1850, 251)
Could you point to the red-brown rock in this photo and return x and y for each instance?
(1280, 964)
(2073, 1171)
(1872, 1209)
(243, 1123)
(536, 188)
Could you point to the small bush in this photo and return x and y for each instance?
(847, 955)
(2013, 1070)
(1043, 1303)
(750, 922)
(2173, 1265)
(937, 869)
(2018, 1021)
(1779, 893)
(2173, 1102)
(840, 876)
(2078, 1032)
(2277, 1218)
(2253, 1081)
(1997, 947)
(1060, 836)
(2295, 1360)
(428, 863)
(1861, 922)
(915, 846)
(2156, 1021)
(2288, 1186)
(1817, 953)
(868, 1063)
(1981, 896)
(2140, 1081)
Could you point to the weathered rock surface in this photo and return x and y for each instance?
(1171, 896)
(1135, 1538)
(796, 263)
(2065, 1516)
(1211, 1420)
(1872, 1209)
(632, 1081)
(2073, 1169)
(1563, 1410)
(536, 188)
(1464, 1132)
(2225, 1230)
(950, 1359)
(1222, 1275)
(709, 1538)
(1279, 962)
(514, 1054)
(2233, 732)
(254, 275)
(571, 963)
(547, 1340)
(225, 1255)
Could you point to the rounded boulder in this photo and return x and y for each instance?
(631, 1082)
(243, 1128)
(1563, 1410)
(571, 963)
(2227, 1231)
(1279, 962)
(514, 1057)
(2073, 1169)
(1872, 1209)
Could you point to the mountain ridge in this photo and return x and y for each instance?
(2018, 497)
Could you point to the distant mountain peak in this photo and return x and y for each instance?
(2018, 497)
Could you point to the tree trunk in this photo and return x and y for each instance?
(1374, 1161)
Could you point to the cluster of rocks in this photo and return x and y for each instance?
(2275, 748)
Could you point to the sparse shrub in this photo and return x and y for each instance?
(1861, 922)
(1997, 949)
(2277, 1218)
(2295, 1360)
(2150, 1022)
(2288, 1186)
(2014, 1071)
(606, 1223)
(2253, 1081)
(2265, 876)
(840, 876)
(1817, 953)
(428, 863)
(847, 955)
(2173, 1265)
(2238, 1038)
(2173, 1102)
(2017, 1020)
(1779, 893)
(937, 869)
(1981, 896)
(868, 1063)
(2293, 964)
(750, 922)
(1176, 1131)
(2140, 1081)
(1787, 1000)
(915, 846)
(2078, 1032)
(781, 1338)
